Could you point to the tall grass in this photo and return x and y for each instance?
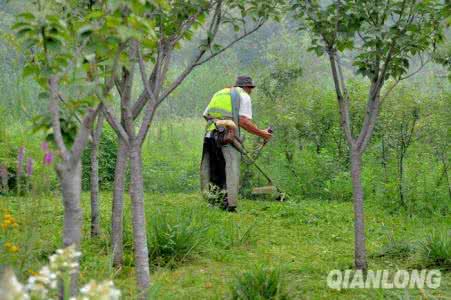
(174, 238)
(435, 250)
(260, 283)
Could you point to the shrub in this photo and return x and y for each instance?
(396, 249)
(214, 196)
(258, 284)
(435, 250)
(107, 159)
(174, 238)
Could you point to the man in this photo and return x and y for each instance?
(220, 164)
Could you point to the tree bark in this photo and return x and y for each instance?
(401, 177)
(70, 178)
(117, 217)
(95, 214)
(359, 224)
(139, 221)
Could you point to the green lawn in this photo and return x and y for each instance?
(305, 239)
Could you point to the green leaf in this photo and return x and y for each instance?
(30, 69)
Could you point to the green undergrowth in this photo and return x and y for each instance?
(201, 252)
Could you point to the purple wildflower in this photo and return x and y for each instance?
(4, 176)
(48, 158)
(29, 166)
(20, 158)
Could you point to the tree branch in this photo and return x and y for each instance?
(144, 79)
(115, 124)
(55, 115)
(83, 135)
(345, 120)
(197, 62)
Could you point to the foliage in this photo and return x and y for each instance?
(272, 234)
(259, 283)
(215, 196)
(107, 160)
(396, 249)
(368, 30)
(174, 239)
(435, 250)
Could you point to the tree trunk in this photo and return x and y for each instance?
(70, 178)
(401, 178)
(117, 217)
(445, 170)
(359, 224)
(139, 221)
(95, 214)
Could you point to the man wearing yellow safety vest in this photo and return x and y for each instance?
(228, 110)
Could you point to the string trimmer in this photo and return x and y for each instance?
(269, 189)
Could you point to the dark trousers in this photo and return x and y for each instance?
(221, 167)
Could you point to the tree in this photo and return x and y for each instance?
(106, 46)
(173, 23)
(96, 133)
(382, 37)
(59, 57)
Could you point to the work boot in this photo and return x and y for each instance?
(231, 209)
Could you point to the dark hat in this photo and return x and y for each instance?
(244, 81)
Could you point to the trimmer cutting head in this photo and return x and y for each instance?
(269, 190)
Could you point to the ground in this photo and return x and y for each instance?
(305, 239)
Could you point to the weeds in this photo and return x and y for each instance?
(396, 249)
(435, 250)
(214, 196)
(173, 240)
(259, 284)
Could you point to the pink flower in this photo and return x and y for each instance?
(29, 166)
(20, 158)
(48, 158)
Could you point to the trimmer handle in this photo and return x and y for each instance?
(270, 129)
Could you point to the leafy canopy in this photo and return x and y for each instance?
(392, 31)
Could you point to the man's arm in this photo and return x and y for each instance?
(250, 127)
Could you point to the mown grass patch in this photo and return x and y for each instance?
(306, 239)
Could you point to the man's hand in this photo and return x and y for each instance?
(266, 135)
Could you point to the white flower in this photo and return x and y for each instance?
(11, 288)
(100, 291)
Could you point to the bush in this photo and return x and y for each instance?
(214, 196)
(260, 283)
(435, 250)
(107, 159)
(396, 249)
(174, 238)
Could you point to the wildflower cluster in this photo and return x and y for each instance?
(44, 284)
(12, 248)
(64, 260)
(99, 291)
(48, 155)
(8, 221)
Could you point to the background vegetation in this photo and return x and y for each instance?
(406, 177)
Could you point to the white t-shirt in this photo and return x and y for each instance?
(245, 104)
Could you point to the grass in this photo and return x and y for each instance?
(435, 250)
(305, 239)
(259, 283)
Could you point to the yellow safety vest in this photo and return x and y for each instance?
(220, 106)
